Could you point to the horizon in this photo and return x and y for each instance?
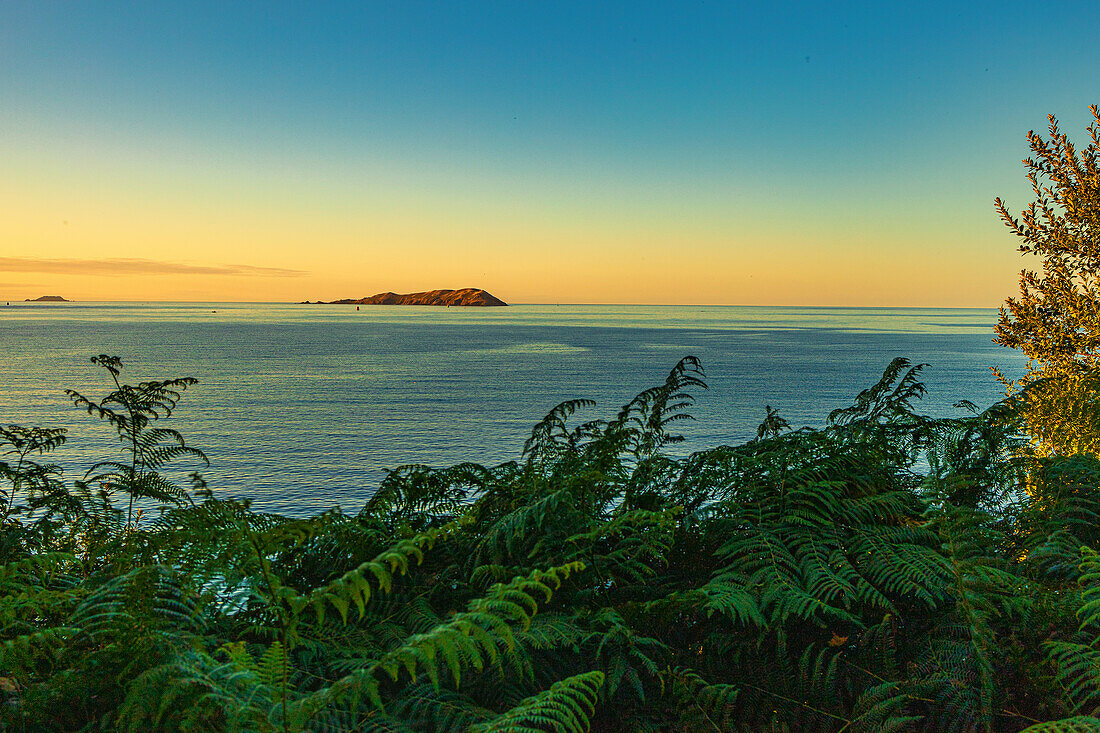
(520, 303)
(802, 156)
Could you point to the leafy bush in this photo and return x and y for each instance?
(888, 572)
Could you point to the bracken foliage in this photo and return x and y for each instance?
(887, 572)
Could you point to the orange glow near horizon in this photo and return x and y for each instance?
(246, 236)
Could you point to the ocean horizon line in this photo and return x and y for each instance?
(22, 302)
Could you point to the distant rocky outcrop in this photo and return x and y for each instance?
(47, 299)
(464, 297)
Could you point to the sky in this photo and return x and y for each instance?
(550, 152)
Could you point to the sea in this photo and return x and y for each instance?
(303, 408)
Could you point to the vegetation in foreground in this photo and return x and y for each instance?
(1055, 321)
(887, 572)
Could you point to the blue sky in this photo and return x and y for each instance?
(707, 152)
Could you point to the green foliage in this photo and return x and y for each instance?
(1079, 724)
(565, 707)
(131, 412)
(25, 478)
(1050, 321)
(1056, 320)
(888, 572)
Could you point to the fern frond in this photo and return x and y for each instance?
(566, 707)
(697, 702)
(1079, 724)
(881, 709)
(483, 634)
(354, 586)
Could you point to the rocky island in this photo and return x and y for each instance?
(47, 299)
(464, 297)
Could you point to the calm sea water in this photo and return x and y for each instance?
(304, 407)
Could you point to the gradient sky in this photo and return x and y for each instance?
(683, 152)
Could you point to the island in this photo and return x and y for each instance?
(465, 297)
(47, 299)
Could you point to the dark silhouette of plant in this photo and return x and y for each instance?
(131, 412)
(26, 478)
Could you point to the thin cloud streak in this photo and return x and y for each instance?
(135, 266)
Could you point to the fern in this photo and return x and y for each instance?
(713, 707)
(566, 707)
(881, 709)
(354, 586)
(889, 572)
(1079, 724)
(131, 411)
